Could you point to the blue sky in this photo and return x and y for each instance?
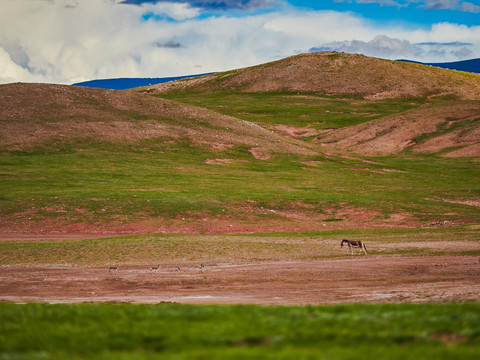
(66, 41)
(417, 13)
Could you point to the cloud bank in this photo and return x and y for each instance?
(390, 48)
(67, 41)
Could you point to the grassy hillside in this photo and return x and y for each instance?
(368, 127)
(154, 186)
(311, 110)
(364, 105)
(205, 157)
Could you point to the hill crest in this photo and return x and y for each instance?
(332, 73)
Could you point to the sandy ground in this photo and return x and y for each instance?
(350, 279)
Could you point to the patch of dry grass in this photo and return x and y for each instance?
(234, 249)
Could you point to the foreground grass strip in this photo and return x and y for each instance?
(408, 331)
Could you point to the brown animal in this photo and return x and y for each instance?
(113, 269)
(155, 268)
(354, 244)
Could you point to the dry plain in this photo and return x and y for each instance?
(240, 269)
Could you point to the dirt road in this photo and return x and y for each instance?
(371, 279)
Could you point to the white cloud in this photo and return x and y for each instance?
(319, 25)
(470, 7)
(48, 41)
(381, 46)
(10, 71)
(458, 5)
(390, 48)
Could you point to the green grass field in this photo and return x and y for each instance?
(105, 183)
(296, 109)
(432, 331)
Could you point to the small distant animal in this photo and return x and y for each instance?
(177, 269)
(154, 268)
(113, 269)
(354, 244)
(201, 267)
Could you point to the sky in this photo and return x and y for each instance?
(68, 41)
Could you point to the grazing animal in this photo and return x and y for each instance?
(201, 267)
(155, 268)
(354, 244)
(113, 269)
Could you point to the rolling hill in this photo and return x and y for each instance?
(384, 106)
(36, 115)
(472, 65)
(315, 141)
(331, 73)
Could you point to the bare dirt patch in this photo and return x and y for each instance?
(260, 153)
(313, 163)
(298, 132)
(458, 138)
(467, 151)
(469, 202)
(222, 161)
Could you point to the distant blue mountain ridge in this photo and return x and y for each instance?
(129, 83)
(472, 65)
